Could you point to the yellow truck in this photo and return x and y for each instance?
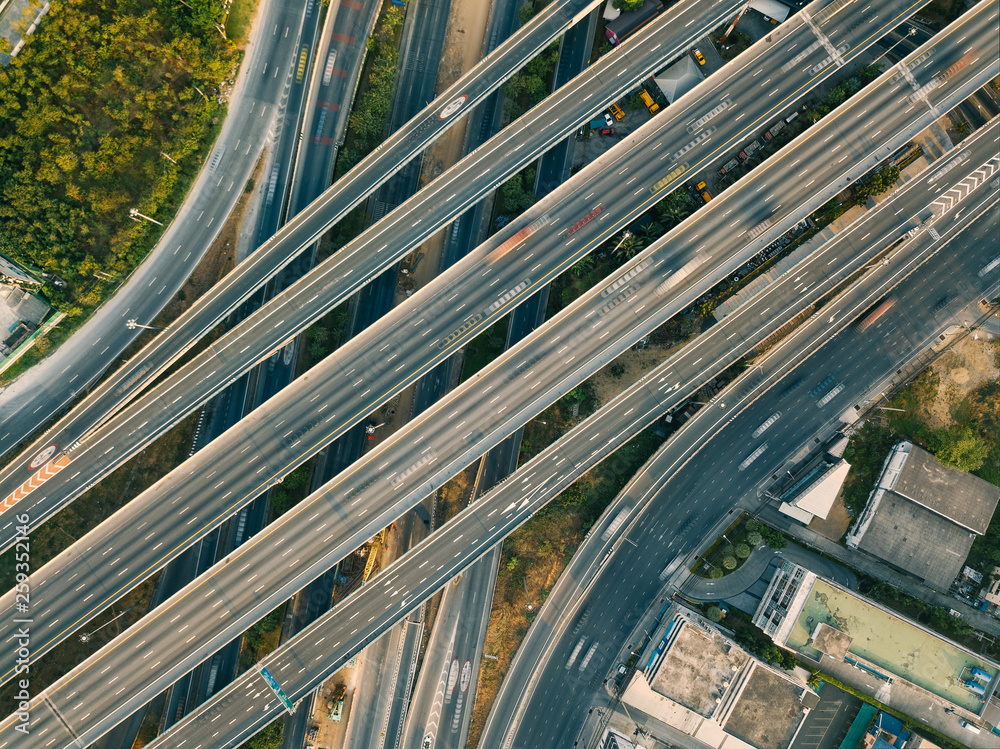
(651, 105)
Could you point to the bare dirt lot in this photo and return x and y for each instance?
(969, 364)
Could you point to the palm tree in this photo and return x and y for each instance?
(583, 266)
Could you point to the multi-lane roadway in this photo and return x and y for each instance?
(320, 650)
(215, 482)
(423, 463)
(265, 82)
(349, 269)
(294, 237)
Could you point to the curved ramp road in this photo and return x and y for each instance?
(266, 261)
(349, 269)
(264, 82)
(483, 411)
(218, 480)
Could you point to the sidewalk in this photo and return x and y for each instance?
(870, 566)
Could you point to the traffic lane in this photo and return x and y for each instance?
(328, 278)
(681, 485)
(225, 296)
(338, 68)
(413, 560)
(117, 558)
(459, 425)
(203, 367)
(400, 576)
(131, 441)
(692, 487)
(376, 362)
(30, 401)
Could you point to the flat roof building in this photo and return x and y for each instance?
(922, 516)
(697, 680)
(841, 631)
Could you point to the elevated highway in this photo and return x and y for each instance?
(405, 469)
(332, 639)
(298, 306)
(293, 425)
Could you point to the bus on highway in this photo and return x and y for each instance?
(876, 312)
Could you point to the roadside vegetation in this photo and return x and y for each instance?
(535, 555)
(261, 638)
(87, 110)
(373, 104)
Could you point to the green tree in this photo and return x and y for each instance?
(959, 447)
(729, 563)
(715, 573)
(583, 266)
(754, 538)
(773, 538)
(272, 737)
(742, 551)
(626, 6)
(714, 613)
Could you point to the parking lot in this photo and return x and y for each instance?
(828, 723)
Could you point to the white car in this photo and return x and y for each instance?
(607, 119)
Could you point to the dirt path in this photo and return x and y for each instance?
(462, 50)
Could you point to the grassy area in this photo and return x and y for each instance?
(239, 19)
(261, 638)
(272, 737)
(867, 451)
(535, 556)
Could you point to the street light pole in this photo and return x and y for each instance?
(133, 213)
(85, 636)
(132, 325)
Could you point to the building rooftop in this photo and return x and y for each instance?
(959, 496)
(921, 517)
(679, 78)
(768, 711)
(830, 641)
(698, 669)
(917, 540)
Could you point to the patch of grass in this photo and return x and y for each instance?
(238, 23)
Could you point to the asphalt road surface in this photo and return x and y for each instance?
(349, 269)
(35, 397)
(329, 642)
(711, 486)
(122, 547)
(238, 286)
(442, 446)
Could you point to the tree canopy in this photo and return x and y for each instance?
(98, 94)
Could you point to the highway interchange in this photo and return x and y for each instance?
(331, 639)
(264, 83)
(296, 236)
(331, 282)
(722, 202)
(120, 547)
